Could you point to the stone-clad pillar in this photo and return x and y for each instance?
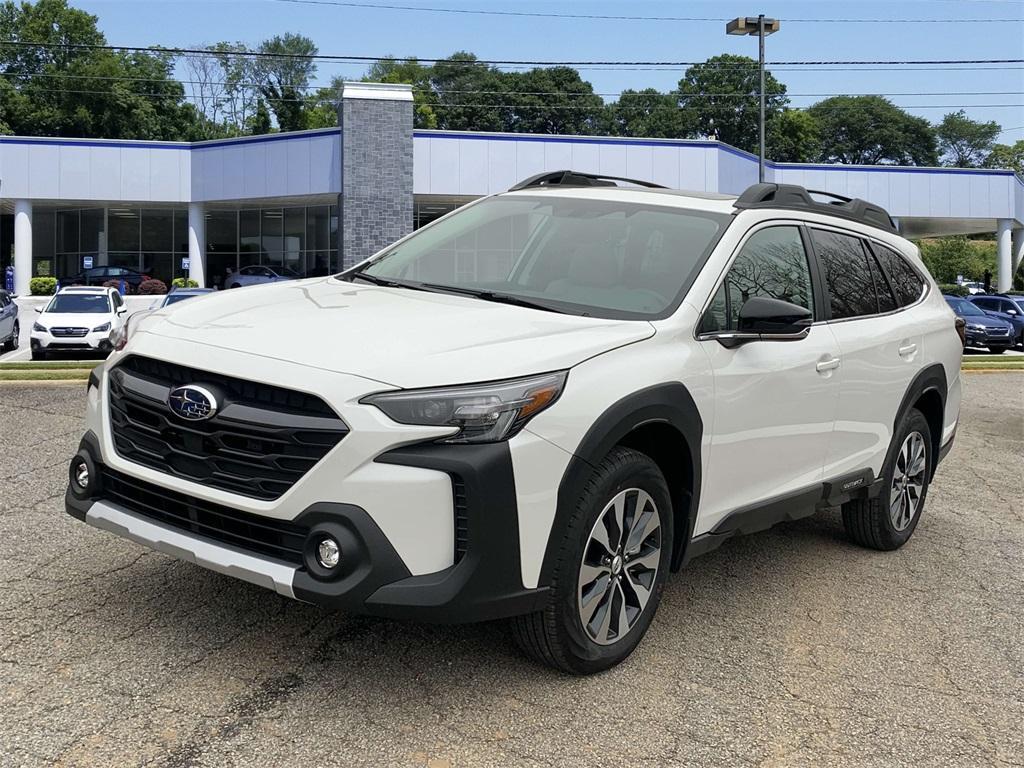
(376, 168)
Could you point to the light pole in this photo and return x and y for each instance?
(762, 27)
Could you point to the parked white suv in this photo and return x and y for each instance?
(535, 408)
(78, 319)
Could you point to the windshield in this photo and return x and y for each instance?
(79, 304)
(962, 307)
(608, 259)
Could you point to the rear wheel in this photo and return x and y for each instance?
(611, 569)
(888, 520)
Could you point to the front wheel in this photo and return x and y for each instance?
(39, 354)
(12, 343)
(888, 520)
(612, 564)
(997, 350)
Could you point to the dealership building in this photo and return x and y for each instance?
(315, 201)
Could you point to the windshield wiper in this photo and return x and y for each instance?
(380, 280)
(500, 298)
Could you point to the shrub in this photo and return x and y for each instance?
(42, 286)
(952, 289)
(183, 282)
(949, 257)
(152, 287)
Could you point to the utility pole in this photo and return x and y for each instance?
(762, 27)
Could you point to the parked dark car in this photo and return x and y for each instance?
(101, 275)
(982, 330)
(1008, 308)
(9, 328)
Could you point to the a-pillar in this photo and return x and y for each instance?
(22, 246)
(197, 243)
(376, 168)
(1004, 262)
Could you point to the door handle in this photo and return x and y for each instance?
(829, 364)
(908, 349)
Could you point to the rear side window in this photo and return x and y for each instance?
(848, 274)
(905, 281)
(773, 264)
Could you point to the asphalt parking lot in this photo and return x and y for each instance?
(789, 648)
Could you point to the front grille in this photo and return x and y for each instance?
(260, 441)
(264, 535)
(69, 332)
(998, 331)
(461, 518)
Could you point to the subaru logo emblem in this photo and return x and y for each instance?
(192, 402)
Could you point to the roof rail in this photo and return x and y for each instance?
(578, 179)
(766, 195)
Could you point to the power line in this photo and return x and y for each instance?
(611, 17)
(352, 58)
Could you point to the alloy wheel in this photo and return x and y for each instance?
(908, 478)
(15, 338)
(620, 566)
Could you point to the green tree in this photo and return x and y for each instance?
(1007, 156)
(872, 130)
(950, 257)
(391, 70)
(470, 96)
(963, 142)
(794, 136)
(68, 90)
(649, 113)
(553, 100)
(284, 71)
(722, 97)
(259, 123)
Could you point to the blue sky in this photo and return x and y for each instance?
(373, 32)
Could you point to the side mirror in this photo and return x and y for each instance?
(122, 310)
(1012, 312)
(765, 319)
(39, 310)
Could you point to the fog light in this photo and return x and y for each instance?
(328, 554)
(82, 475)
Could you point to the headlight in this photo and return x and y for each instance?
(483, 413)
(38, 327)
(104, 327)
(975, 327)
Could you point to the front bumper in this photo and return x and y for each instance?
(484, 583)
(98, 341)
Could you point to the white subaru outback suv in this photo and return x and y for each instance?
(535, 408)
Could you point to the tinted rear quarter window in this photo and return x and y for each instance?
(848, 278)
(905, 281)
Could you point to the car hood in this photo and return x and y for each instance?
(73, 320)
(397, 336)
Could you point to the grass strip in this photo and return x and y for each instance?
(77, 365)
(65, 375)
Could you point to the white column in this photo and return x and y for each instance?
(22, 246)
(197, 243)
(1017, 247)
(1004, 280)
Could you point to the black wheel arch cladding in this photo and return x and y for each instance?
(668, 404)
(930, 382)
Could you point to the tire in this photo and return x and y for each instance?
(878, 523)
(997, 350)
(39, 354)
(234, 285)
(557, 635)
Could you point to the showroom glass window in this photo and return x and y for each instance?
(773, 264)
